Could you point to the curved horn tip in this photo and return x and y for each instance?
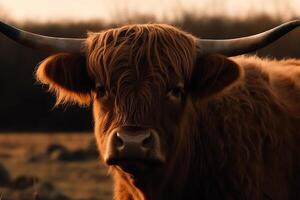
(238, 46)
(44, 43)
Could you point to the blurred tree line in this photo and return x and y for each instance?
(25, 106)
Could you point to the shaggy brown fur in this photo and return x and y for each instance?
(229, 127)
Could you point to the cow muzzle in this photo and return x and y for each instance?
(134, 149)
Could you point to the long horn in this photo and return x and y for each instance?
(44, 43)
(238, 46)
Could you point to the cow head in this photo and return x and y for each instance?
(139, 79)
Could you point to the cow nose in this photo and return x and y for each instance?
(125, 145)
(133, 142)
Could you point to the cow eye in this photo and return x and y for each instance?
(101, 91)
(176, 93)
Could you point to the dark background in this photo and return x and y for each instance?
(26, 106)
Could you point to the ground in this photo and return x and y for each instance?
(85, 180)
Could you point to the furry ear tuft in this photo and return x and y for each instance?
(67, 76)
(212, 74)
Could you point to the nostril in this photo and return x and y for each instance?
(118, 140)
(148, 141)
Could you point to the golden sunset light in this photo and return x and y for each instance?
(114, 10)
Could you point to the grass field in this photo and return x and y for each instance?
(86, 180)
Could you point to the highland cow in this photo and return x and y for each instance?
(177, 119)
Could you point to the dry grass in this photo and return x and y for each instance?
(78, 180)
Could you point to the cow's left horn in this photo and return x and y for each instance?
(45, 43)
(238, 46)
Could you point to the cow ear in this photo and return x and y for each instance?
(67, 76)
(212, 74)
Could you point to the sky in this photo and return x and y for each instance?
(113, 10)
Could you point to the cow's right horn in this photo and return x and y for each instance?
(238, 46)
(44, 43)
